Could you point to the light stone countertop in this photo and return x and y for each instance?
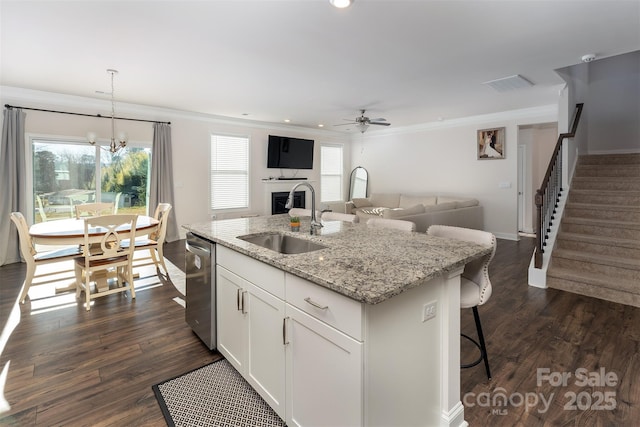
(367, 265)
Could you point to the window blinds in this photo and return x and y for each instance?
(229, 172)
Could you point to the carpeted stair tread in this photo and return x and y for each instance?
(602, 207)
(601, 288)
(598, 280)
(609, 241)
(597, 251)
(634, 225)
(625, 193)
(610, 159)
(605, 183)
(629, 263)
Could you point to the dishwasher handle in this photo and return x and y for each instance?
(195, 248)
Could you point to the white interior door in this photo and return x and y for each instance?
(522, 187)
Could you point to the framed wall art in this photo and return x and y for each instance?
(491, 144)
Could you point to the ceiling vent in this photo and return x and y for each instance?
(509, 83)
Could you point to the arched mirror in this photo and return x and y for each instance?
(359, 183)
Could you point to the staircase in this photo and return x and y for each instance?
(597, 251)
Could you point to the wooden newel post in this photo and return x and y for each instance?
(539, 229)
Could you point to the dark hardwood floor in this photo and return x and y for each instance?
(72, 367)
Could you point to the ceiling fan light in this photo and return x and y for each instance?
(341, 4)
(362, 127)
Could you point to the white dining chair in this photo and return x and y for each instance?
(475, 285)
(396, 224)
(154, 242)
(40, 209)
(337, 216)
(93, 209)
(98, 259)
(33, 258)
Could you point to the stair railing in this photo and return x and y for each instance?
(548, 195)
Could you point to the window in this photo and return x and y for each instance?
(330, 173)
(229, 172)
(67, 173)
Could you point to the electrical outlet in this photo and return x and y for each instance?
(429, 311)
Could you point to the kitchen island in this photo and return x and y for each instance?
(362, 332)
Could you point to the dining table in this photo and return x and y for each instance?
(71, 231)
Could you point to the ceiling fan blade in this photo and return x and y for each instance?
(346, 124)
(378, 120)
(379, 124)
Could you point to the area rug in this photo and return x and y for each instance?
(214, 395)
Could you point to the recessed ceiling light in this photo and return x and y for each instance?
(341, 4)
(320, 125)
(287, 120)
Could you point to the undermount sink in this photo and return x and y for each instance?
(282, 243)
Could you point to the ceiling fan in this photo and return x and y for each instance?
(362, 122)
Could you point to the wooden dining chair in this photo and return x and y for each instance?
(154, 242)
(99, 258)
(34, 258)
(93, 209)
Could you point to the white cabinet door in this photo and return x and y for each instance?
(265, 356)
(324, 374)
(232, 329)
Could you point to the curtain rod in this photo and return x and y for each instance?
(86, 115)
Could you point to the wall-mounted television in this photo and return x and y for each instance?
(289, 153)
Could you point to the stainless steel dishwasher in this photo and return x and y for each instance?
(200, 269)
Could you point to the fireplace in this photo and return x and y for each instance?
(279, 200)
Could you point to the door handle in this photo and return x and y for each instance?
(242, 305)
(284, 331)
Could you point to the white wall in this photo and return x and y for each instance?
(614, 104)
(190, 135)
(609, 89)
(442, 158)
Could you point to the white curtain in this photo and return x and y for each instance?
(13, 187)
(161, 187)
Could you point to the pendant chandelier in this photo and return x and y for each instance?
(122, 137)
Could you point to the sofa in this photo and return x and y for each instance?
(423, 210)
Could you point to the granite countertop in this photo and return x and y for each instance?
(367, 265)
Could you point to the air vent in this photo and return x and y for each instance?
(509, 83)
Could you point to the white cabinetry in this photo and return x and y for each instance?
(324, 374)
(320, 358)
(250, 325)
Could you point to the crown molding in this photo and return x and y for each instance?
(544, 111)
(42, 99)
(49, 100)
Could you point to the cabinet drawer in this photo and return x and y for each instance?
(262, 275)
(336, 310)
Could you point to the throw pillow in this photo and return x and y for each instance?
(398, 213)
(388, 200)
(441, 207)
(407, 201)
(374, 211)
(467, 203)
(361, 203)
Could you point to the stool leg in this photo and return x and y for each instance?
(483, 348)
